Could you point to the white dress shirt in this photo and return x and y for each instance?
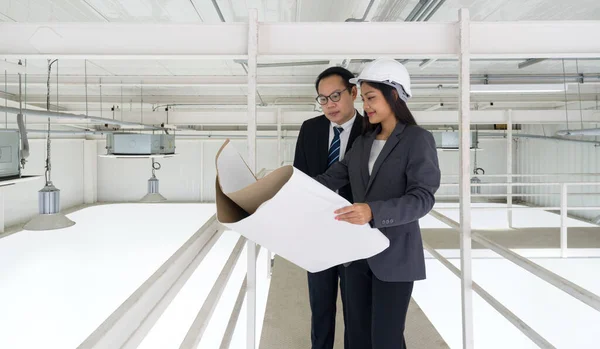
(344, 136)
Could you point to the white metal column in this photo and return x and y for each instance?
(251, 246)
(509, 168)
(279, 135)
(563, 220)
(202, 171)
(1, 211)
(464, 180)
(279, 140)
(90, 171)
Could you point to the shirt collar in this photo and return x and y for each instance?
(348, 124)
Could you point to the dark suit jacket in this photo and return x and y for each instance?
(400, 190)
(312, 147)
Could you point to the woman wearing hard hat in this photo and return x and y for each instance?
(394, 173)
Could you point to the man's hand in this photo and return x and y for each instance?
(356, 214)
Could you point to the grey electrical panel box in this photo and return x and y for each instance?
(140, 144)
(451, 140)
(10, 154)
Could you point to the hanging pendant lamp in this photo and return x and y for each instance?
(49, 217)
(153, 195)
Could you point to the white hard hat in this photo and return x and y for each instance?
(387, 71)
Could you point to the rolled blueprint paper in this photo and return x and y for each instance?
(290, 214)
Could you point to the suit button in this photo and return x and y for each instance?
(383, 221)
(391, 221)
(387, 221)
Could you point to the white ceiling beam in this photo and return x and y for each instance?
(275, 43)
(124, 40)
(539, 39)
(420, 40)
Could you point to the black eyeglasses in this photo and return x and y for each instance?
(335, 97)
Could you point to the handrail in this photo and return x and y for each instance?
(194, 335)
(235, 314)
(528, 175)
(513, 194)
(559, 282)
(517, 184)
(128, 325)
(513, 208)
(509, 315)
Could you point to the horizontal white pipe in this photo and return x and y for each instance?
(91, 119)
(528, 175)
(514, 184)
(503, 208)
(584, 132)
(559, 282)
(574, 208)
(518, 88)
(514, 195)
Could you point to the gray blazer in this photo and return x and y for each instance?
(400, 190)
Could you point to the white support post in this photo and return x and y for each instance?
(1, 212)
(279, 136)
(279, 140)
(90, 171)
(251, 246)
(202, 171)
(563, 220)
(464, 180)
(509, 168)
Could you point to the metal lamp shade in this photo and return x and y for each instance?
(153, 194)
(49, 217)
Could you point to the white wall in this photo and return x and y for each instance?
(491, 157)
(21, 200)
(539, 156)
(190, 176)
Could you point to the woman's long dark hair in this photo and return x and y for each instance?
(399, 108)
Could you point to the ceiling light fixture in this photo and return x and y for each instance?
(49, 217)
(153, 195)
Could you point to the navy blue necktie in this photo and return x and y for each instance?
(334, 148)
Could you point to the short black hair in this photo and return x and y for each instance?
(343, 73)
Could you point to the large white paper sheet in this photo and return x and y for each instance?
(290, 214)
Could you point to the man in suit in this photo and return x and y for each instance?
(324, 140)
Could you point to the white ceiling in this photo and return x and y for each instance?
(192, 81)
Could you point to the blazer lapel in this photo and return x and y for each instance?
(355, 132)
(391, 143)
(365, 154)
(322, 135)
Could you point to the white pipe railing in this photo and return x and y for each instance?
(509, 315)
(196, 331)
(128, 325)
(534, 175)
(563, 208)
(235, 314)
(559, 282)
